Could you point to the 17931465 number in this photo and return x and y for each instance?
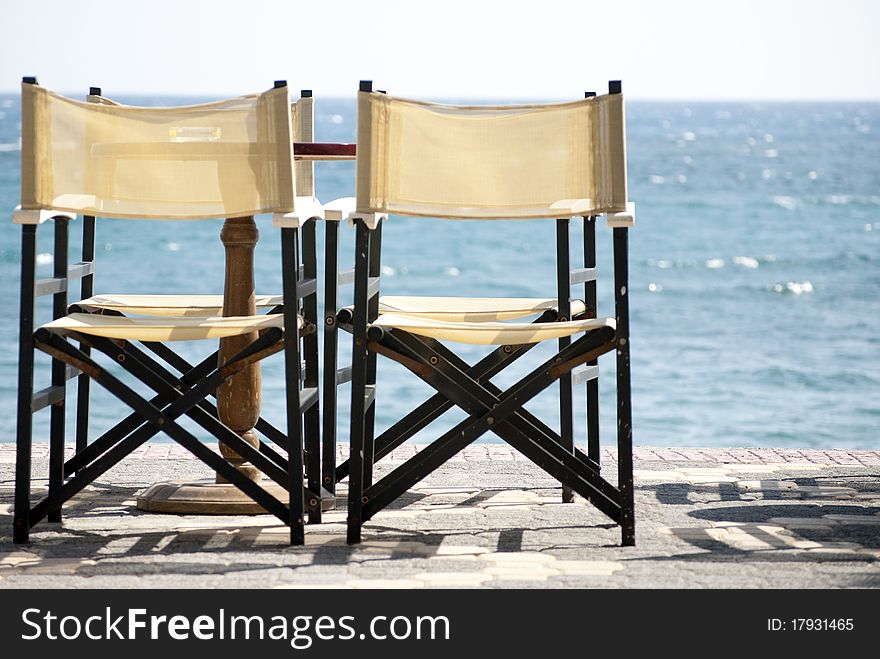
(810, 624)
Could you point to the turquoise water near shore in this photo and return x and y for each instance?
(754, 274)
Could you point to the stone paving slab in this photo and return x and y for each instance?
(483, 452)
(731, 518)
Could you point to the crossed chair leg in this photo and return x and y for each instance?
(438, 404)
(489, 409)
(174, 398)
(190, 374)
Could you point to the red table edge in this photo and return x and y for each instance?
(324, 151)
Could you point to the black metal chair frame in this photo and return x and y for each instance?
(469, 387)
(176, 395)
(433, 408)
(309, 401)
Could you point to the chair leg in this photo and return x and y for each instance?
(59, 370)
(624, 401)
(566, 418)
(24, 435)
(331, 342)
(83, 393)
(312, 432)
(296, 499)
(591, 301)
(566, 413)
(624, 450)
(312, 416)
(358, 457)
(83, 383)
(329, 403)
(593, 447)
(56, 437)
(24, 428)
(374, 269)
(369, 430)
(369, 418)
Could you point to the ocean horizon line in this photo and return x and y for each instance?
(337, 96)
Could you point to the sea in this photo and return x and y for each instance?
(754, 276)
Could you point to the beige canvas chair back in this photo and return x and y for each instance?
(515, 161)
(230, 158)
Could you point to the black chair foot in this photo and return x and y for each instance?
(297, 535)
(20, 535)
(567, 494)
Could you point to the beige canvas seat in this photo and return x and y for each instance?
(228, 159)
(488, 332)
(165, 328)
(537, 161)
(471, 309)
(169, 305)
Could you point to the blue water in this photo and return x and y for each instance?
(754, 274)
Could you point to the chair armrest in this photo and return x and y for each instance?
(307, 208)
(623, 219)
(371, 220)
(38, 215)
(339, 209)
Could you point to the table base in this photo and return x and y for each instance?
(210, 498)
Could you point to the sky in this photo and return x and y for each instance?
(433, 49)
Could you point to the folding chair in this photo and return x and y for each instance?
(302, 121)
(226, 159)
(552, 161)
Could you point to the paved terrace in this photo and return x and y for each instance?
(737, 518)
